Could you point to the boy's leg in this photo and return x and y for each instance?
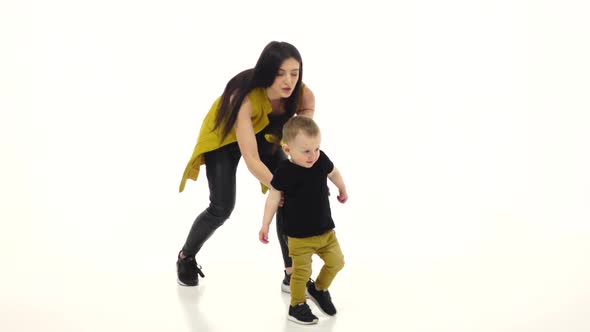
(333, 258)
(301, 251)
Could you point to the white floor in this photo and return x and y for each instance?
(521, 278)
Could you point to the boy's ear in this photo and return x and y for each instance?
(286, 148)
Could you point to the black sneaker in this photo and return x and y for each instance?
(286, 285)
(321, 298)
(188, 271)
(302, 314)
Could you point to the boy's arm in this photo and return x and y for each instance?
(270, 208)
(336, 178)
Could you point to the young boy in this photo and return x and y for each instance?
(308, 221)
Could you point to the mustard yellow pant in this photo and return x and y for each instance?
(301, 251)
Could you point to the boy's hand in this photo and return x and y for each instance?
(342, 196)
(263, 234)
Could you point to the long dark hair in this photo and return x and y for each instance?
(261, 76)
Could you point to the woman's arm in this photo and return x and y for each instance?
(307, 105)
(247, 143)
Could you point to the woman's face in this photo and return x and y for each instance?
(285, 81)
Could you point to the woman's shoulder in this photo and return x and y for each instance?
(259, 100)
(257, 95)
(306, 102)
(306, 93)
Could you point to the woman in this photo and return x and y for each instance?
(246, 121)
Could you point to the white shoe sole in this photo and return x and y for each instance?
(285, 288)
(293, 319)
(183, 284)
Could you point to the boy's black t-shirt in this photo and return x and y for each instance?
(306, 208)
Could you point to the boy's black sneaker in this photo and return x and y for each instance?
(302, 314)
(322, 298)
(286, 285)
(188, 271)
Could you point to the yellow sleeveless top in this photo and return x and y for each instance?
(210, 139)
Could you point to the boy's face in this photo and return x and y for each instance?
(304, 150)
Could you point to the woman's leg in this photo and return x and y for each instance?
(271, 155)
(283, 240)
(221, 166)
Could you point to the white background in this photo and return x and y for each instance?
(461, 128)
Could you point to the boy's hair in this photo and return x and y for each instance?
(299, 123)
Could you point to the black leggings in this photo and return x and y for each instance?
(221, 166)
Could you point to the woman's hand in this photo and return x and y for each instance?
(282, 201)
